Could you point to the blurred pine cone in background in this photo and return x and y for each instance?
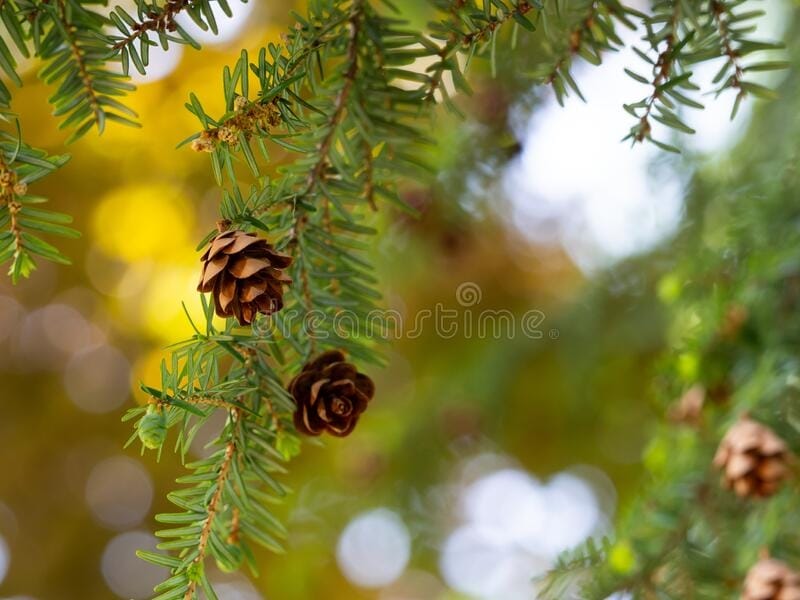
(771, 579)
(753, 459)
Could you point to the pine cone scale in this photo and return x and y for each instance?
(217, 246)
(239, 243)
(245, 267)
(210, 270)
(365, 385)
(252, 290)
(315, 389)
(226, 292)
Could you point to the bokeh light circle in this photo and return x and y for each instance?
(161, 64)
(11, 312)
(238, 588)
(119, 492)
(484, 567)
(508, 504)
(127, 575)
(374, 549)
(97, 380)
(126, 226)
(5, 559)
(572, 514)
(66, 329)
(514, 526)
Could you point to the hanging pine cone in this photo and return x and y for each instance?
(244, 274)
(753, 459)
(771, 579)
(330, 395)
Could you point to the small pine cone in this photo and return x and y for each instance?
(330, 395)
(152, 429)
(689, 409)
(227, 135)
(240, 103)
(269, 115)
(771, 579)
(734, 319)
(752, 458)
(274, 117)
(204, 143)
(244, 274)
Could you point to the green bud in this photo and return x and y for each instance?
(152, 428)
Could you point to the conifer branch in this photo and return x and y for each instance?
(78, 55)
(158, 20)
(588, 32)
(574, 44)
(215, 402)
(457, 41)
(20, 242)
(663, 69)
(317, 172)
(213, 506)
(721, 15)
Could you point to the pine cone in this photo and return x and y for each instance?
(753, 459)
(689, 409)
(330, 395)
(244, 273)
(771, 579)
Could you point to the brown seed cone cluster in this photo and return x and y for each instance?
(733, 320)
(753, 459)
(247, 118)
(771, 579)
(244, 274)
(330, 395)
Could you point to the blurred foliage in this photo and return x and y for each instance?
(732, 297)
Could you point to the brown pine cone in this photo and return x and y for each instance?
(330, 395)
(244, 274)
(689, 409)
(753, 459)
(733, 320)
(771, 579)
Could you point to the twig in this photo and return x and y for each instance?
(340, 104)
(212, 509)
(718, 9)
(317, 172)
(575, 41)
(663, 68)
(80, 59)
(156, 21)
(468, 39)
(9, 188)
